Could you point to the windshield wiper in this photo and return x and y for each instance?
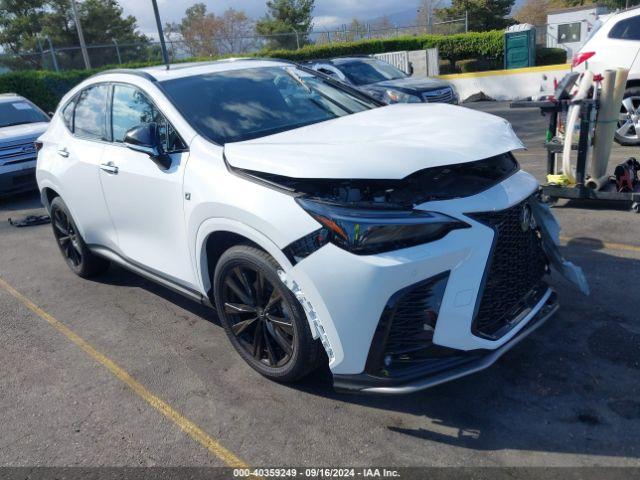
(298, 79)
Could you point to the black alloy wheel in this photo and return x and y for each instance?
(67, 238)
(262, 317)
(260, 320)
(80, 259)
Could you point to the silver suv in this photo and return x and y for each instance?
(21, 123)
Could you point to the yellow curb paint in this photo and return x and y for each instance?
(514, 71)
(186, 425)
(607, 245)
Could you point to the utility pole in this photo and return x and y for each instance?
(163, 47)
(83, 46)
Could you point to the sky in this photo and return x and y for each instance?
(327, 13)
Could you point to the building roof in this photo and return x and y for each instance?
(578, 8)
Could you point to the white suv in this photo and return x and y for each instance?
(319, 225)
(616, 43)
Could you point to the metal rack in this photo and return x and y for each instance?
(579, 191)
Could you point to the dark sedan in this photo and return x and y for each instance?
(386, 82)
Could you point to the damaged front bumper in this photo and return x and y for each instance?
(457, 366)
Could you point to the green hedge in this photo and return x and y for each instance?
(45, 88)
(488, 45)
(550, 56)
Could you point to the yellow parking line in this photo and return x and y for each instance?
(190, 428)
(608, 245)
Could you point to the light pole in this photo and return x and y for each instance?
(83, 46)
(163, 47)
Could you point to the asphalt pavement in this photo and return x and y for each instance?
(120, 372)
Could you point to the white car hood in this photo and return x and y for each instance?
(384, 143)
(27, 130)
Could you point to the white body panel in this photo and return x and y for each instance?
(612, 53)
(161, 219)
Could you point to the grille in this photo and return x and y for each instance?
(17, 153)
(514, 274)
(443, 95)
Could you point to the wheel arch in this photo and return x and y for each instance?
(215, 236)
(635, 82)
(47, 195)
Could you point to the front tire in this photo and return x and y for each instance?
(71, 244)
(628, 128)
(262, 318)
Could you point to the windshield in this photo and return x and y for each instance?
(366, 71)
(18, 112)
(243, 104)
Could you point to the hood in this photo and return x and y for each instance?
(410, 84)
(22, 133)
(388, 142)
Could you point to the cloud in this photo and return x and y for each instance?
(327, 13)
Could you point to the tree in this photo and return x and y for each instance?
(25, 24)
(198, 30)
(535, 11)
(236, 32)
(207, 34)
(289, 21)
(483, 15)
(427, 14)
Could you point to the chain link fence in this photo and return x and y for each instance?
(49, 56)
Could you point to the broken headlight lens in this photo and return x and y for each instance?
(366, 232)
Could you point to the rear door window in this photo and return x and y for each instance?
(89, 120)
(628, 29)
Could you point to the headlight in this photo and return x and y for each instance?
(396, 96)
(366, 232)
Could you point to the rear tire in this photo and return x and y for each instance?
(262, 317)
(628, 129)
(71, 244)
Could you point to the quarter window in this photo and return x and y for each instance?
(131, 107)
(628, 29)
(89, 113)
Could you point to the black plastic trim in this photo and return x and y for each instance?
(468, 362)
(150, 274)
(300, 249)
(381, 335)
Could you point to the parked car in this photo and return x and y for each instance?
(386, 82)
(320, 226)
(615, 44)
(21, 123)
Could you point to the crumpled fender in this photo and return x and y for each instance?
(550, 230)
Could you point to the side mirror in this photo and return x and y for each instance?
(145, 138)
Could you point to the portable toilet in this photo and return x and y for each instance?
(520, 46)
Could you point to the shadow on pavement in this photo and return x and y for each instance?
(571, 387)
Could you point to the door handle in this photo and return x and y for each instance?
(109, 167)
(63, 152)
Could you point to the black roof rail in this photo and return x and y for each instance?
(130, 71)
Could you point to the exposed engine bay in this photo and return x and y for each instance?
(436, 183)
